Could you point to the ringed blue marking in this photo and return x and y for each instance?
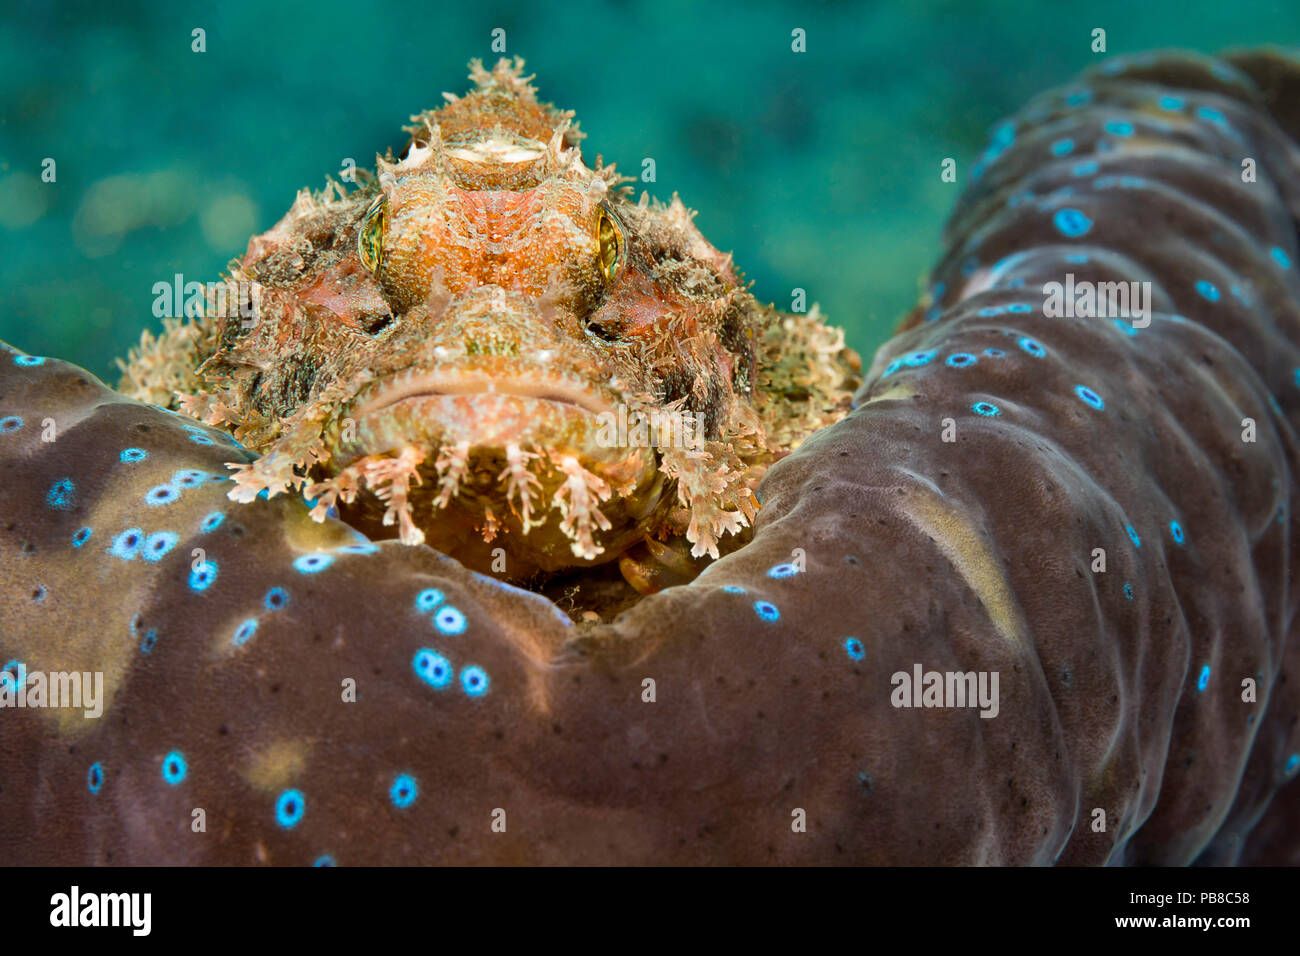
(158, 544)
(432, 668)
(1279, 256)
(994, 353)
(200, 439)
(782, 571)
(10, 423)
(1176, 530)
(960, 360)
(29, 361)
(311, 563)
(766, 610)
(917, 359)
(1032, 347)
(1211, 115)
(403, 791)
(82, 536)
(1119, 128)
(361, 547)
(148, 641)
(244, 632)
(275, 599)
(1292, 762)
(1172, 104)
(450, 620)
(212, 522)
(133, 454)
(127, 544)
(1128, 590)
(1133, 536)
(1089, 397)
(188, 478)
(289, 808)
(475, 681)
(174, 767)
(325, 860)
(854, 648)
(987, 409)
(733, 589)
(202, 576)
(428, 599)
(61, 494)
(1203, 681)
(1071, 222)
(13, 675)
(161, 495)
(95, 778)
(1208, 290)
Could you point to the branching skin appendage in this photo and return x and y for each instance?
(453, 351)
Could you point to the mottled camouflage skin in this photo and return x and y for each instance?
(451, 336)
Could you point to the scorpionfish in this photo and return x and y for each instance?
(489, 346)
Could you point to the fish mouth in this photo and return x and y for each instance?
(435, 385)
(456, 457)
(484, 407)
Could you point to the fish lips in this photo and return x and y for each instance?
(484, 409)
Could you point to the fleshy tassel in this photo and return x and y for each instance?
(521, 483)
(708, 485)
(579, 502)
(452, 463)
(391, 480)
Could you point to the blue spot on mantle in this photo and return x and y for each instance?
(61, 495)
(1071, 222)
(174, 768)
(289, 808)
(403, 791)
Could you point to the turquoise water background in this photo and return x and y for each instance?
(819, 169)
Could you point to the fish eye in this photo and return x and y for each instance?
(609, 234)
(370, 240)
